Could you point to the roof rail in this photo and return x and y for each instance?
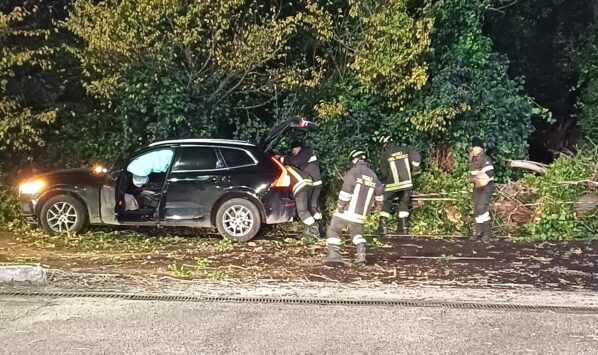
(202, 140)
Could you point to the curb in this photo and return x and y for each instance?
(33, 274)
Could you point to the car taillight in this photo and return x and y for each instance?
(284, 179)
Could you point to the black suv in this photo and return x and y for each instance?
(233, 185)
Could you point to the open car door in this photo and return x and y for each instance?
(270, 140)
(109, 195)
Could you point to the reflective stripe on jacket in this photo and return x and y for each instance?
(307, 161)
(397, 165)
(361, 188)
(299, 179)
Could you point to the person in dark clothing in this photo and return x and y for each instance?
(397, 167)
(482, 176)
(302, 185)
(361, 188)
(304, 158)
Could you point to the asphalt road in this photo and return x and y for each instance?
(106, 326)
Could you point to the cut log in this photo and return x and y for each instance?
(588, 182)
(585, 205)
(529, 165)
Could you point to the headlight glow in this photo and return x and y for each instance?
(32, 187)
(98, 169)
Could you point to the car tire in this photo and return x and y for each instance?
(63, 214)
(238, 219)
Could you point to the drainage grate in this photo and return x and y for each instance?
(308, 301)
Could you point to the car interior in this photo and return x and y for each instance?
(143, 183)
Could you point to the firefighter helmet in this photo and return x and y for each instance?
(356, 153)
(384, 139)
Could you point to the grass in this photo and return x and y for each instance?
(308, 240)
(180, 271)
(225, 244)
(202, 262)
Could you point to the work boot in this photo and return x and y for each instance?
(403, 227)
(478, 233)
(361, 257)
(312, 231)
(334, 255)
(382, 227)
(321, 230)
(487, 234)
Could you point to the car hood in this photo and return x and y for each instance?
(70, 176)
(297, 123)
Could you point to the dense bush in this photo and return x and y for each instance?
(554, 217)
(9, 206)
(587, 62)
(116, 74)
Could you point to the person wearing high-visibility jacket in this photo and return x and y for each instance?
(302, 185)
(482, 177)
(304, 158)
(398, 165)
(361, 189)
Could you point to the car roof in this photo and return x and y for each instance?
(203, 141)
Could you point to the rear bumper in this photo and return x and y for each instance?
(279, 207)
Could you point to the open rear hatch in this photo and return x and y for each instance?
(275, 134)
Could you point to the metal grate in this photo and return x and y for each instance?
(308, 301)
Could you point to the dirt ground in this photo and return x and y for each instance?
(567, 265)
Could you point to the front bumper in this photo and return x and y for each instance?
(28, 208)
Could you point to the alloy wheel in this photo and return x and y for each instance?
(237, 220)
(62, 217)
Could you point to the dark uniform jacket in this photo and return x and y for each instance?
(307, 161)
(361, 187)
(299, 179)
(397, 165)
(481, 163)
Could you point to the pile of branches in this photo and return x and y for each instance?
(510, 205)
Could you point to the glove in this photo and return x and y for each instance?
(340, 209)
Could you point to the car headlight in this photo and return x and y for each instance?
(99, 169)
(32, 187)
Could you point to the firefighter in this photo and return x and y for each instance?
(361, 188)
(302, 185)
(397, 167)
(482, 176)
(304, 158)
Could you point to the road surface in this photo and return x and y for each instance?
(109, 326)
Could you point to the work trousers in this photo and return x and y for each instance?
(481, 203)
(404, 197)
(314, 205)
(302, 198)
(336, 226)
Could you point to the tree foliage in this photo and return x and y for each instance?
(185, 68)
(22, 56)
(586, 60)
(82, 80)
(542, 39)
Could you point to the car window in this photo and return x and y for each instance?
(157, 161)
(236, 157)
(198, 158)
